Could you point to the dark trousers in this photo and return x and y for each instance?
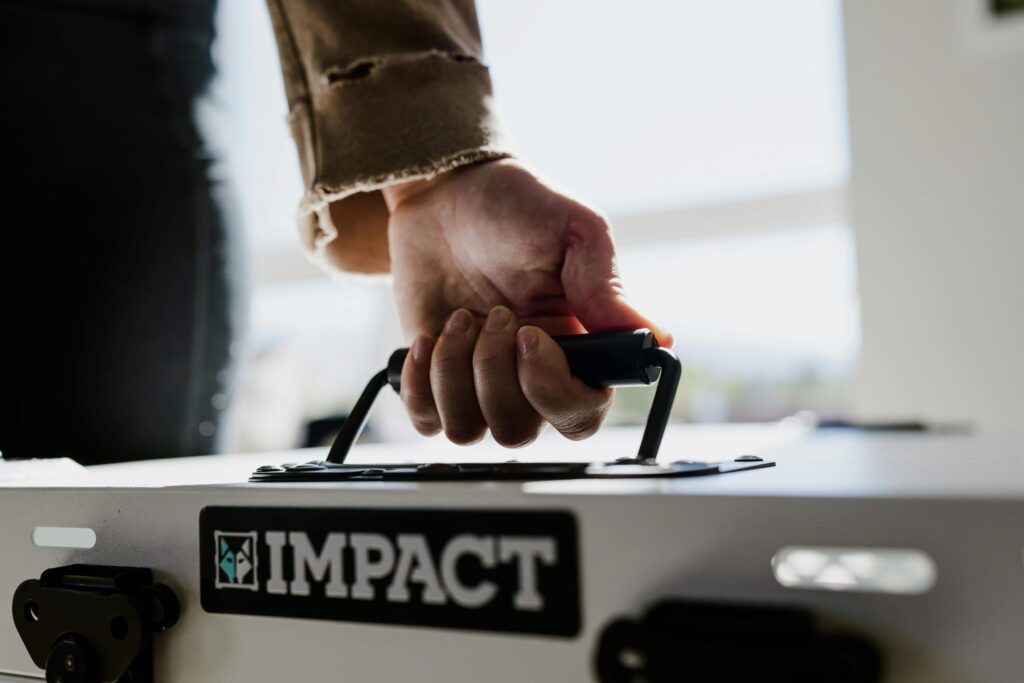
(115, 292)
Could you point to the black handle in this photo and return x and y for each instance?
(606, 359)
(609, 359)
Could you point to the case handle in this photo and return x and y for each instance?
(607, 359)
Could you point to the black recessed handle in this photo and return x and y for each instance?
(607, 359)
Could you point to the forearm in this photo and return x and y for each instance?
(379, 93)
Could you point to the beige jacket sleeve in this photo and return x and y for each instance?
(379, 92)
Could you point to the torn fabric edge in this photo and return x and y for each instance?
(364, 67)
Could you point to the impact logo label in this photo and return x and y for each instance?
(472, 569)
(236, 560)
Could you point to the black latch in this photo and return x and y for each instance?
(93, 624)
(723, 643)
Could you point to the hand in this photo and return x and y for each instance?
(488, 261)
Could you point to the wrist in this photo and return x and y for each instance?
(360, 226)
(395, 194)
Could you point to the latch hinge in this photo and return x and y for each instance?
(93, 624)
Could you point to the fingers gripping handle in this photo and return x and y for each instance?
(608, 359)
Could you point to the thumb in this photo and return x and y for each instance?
(593, 286)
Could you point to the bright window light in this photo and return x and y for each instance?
(637, 105)
(763, 303)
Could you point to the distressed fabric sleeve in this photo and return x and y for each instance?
(379, 92)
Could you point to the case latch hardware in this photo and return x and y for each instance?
(93, 624)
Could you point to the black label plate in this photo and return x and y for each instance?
(489, 570)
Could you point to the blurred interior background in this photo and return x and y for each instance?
(715, 136)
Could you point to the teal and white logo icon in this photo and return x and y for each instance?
(236, 560)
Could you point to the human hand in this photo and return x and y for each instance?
(488, 261)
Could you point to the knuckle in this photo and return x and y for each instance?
(452, 346)
(543, 392)
(583, 219)
(463, 434)
(512, 435)
(447, 361)
(488, 361)
(416, 393)
(421, 411)
(426, 426)
(578, 426)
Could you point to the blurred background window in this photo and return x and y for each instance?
(712, 134)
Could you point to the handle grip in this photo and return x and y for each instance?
(605, 359)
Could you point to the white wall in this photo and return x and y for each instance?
(936, 96)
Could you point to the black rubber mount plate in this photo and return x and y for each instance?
(508, 471)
